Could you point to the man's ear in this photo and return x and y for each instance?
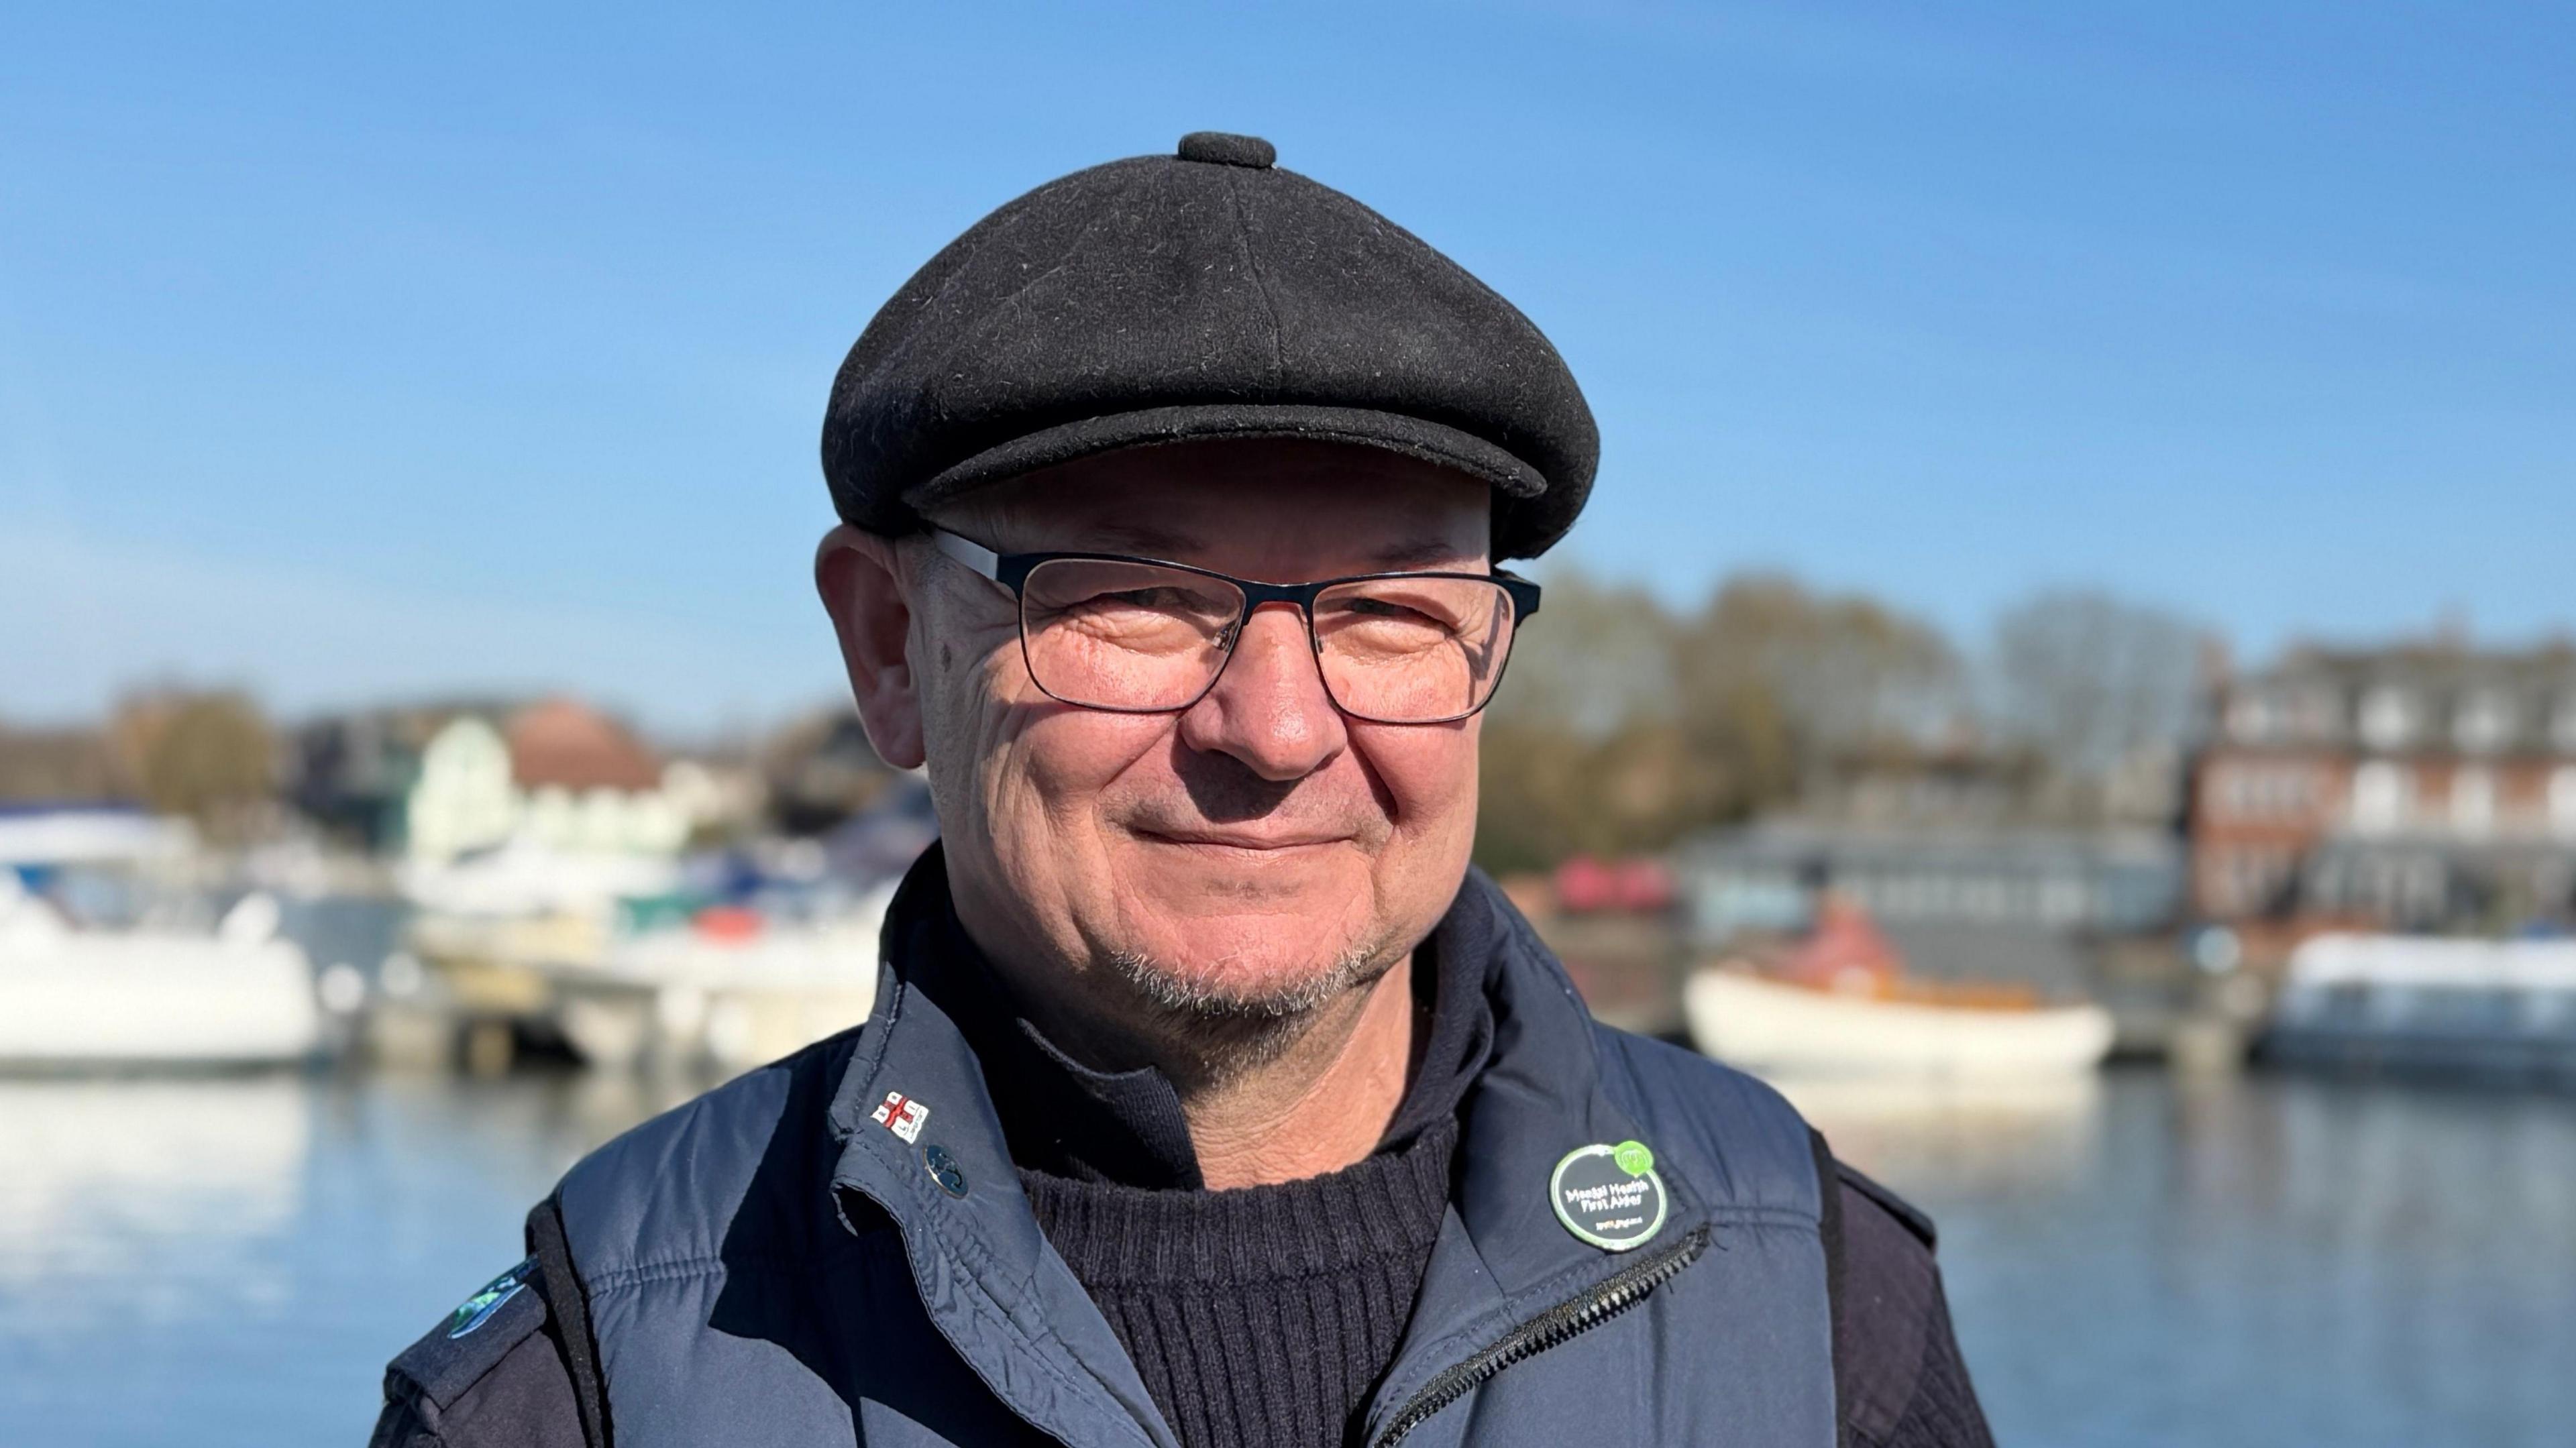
(861, 581)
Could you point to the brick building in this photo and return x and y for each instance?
(2410, 787)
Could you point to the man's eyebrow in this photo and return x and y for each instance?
(1144, 538)
(1417, 552)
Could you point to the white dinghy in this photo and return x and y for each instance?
(1840, 1003)
(1769, 1026)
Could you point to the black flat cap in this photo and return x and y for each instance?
(1206, 294)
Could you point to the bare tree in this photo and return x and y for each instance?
(2091, 681)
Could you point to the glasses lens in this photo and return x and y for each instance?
(1413, 650)
(1125, 635)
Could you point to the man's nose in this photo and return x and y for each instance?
(1269, 709)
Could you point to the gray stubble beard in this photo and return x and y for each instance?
(1228, 1033)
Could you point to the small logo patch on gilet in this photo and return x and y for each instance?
(477, 1310)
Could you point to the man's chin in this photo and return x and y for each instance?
(1252, 965)
(1249, 948)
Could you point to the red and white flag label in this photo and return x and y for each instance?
(901, 1115)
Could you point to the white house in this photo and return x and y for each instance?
(557, 775)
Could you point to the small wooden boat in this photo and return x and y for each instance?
(1839, 1003)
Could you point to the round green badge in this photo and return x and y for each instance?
(1609, 1195)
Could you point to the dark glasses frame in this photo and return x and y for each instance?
(1011, 571)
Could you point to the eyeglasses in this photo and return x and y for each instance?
(1141, 636)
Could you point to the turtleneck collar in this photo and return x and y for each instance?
(1067, 1119)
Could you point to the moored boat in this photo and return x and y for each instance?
(727, 990)
(2483, 1008)
(150, 997)
(1839, 1003)
(1769, 1025)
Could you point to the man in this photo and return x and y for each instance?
(1209, 1097)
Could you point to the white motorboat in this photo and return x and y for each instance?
(150, 996)
(2501, 1008)
(728, 990)
(521, 879)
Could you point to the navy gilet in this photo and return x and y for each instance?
(776, 1263)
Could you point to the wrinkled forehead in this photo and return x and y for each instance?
(1280, 511)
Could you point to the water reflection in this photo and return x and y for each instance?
(2131, 1261)
(232, 1260)
(142, 1199)
(1995, 1135)
(2256, 1260)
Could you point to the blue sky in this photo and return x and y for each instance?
(365, 351)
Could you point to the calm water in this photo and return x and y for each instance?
(231, 1261)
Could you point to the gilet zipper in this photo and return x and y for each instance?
(1565, 1320)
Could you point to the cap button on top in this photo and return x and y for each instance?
(1224, 149)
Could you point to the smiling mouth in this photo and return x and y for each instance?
(1232, 842)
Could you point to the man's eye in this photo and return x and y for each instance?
(1159, 600)
(1376, 608)
(1388, 608)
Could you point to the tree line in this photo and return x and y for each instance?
(1624, 723)
(207, 754)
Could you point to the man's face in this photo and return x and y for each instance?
(1247, 855)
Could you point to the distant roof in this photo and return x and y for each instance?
(1790, 840)
(2483, 701)
(566, 745)
(2435, 663)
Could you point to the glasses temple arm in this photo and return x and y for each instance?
(975, 556)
